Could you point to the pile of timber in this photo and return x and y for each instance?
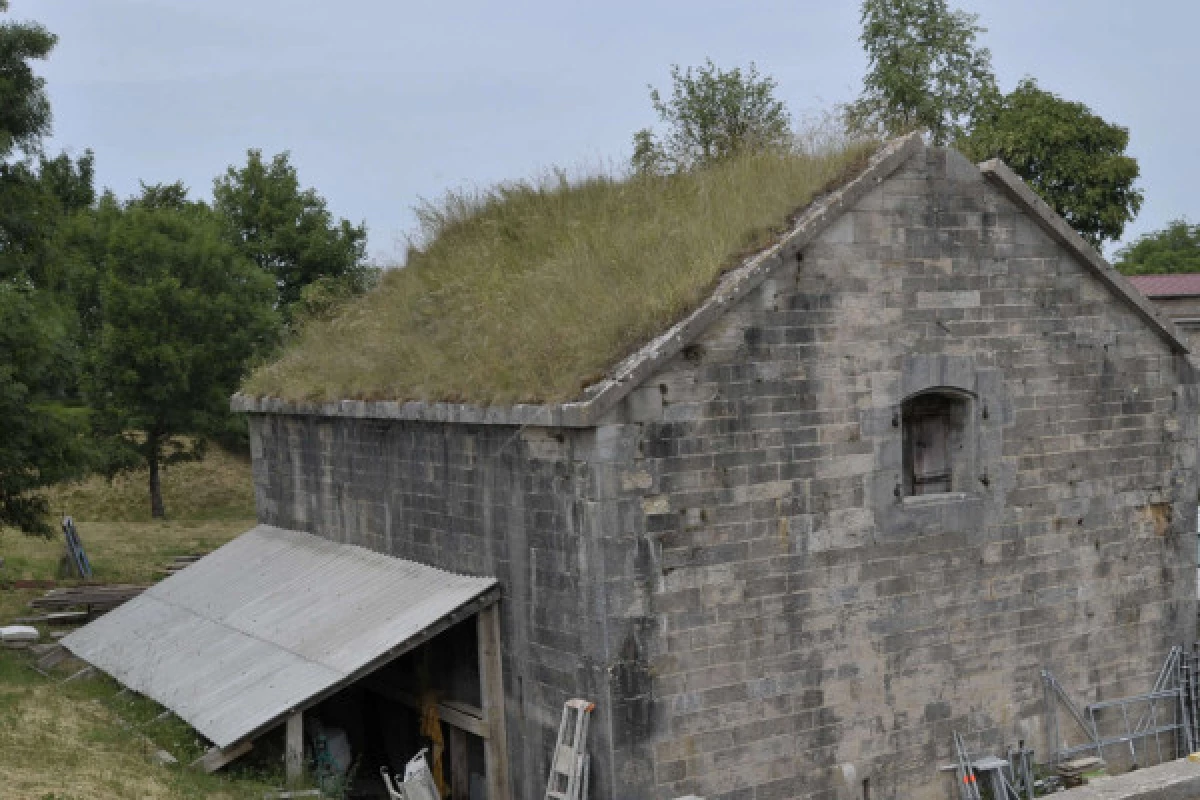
(56, 618)
(95, 598)
(28, 584)
(73, 605)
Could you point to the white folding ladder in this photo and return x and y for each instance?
(569, 767)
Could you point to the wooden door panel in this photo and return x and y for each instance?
(931, 461)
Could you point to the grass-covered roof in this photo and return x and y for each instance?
(529, 293)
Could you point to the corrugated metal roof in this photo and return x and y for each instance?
(1174, 285)
(269, 623)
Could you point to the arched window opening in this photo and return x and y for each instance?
(937, 442)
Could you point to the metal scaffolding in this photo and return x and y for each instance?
(1168, 711)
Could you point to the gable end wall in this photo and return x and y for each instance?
(801, 616)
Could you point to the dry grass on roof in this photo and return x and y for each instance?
(529, 293)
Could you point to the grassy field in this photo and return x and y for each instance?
(68, 742)
(207, 503)
(217, 488)
(84, 740)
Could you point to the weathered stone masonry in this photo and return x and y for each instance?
(808, 616)
(486, 500)
(723, 563)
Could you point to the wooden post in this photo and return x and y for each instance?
(460, 778)
(491, 685)
(293, 757)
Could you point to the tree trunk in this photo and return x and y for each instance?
(156, 502)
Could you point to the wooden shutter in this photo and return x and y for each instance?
(930, 456)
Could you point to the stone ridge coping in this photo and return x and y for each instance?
(999, 173)
(1174, 780)
(601, 397)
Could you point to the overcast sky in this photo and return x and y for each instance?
(382, 103)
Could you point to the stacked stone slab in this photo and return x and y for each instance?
(722, 558)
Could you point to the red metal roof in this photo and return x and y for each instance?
(1178, 285)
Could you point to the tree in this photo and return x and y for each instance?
(712, 114)
(648, 157)
(925, 69)
(38, 443)
(184, 312)
(24, 120)
(35, 199)
(288, 231)
(24, 107)
(1176, 248)
(1070, 156)
(33, 204)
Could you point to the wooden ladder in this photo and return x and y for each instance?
(569, 767)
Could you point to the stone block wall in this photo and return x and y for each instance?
(487, 500)
(799, 614)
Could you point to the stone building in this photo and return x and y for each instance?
(924, 446)
(1178, 295)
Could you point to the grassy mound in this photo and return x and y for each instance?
(528, 293)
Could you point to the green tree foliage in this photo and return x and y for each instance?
(39, 444)
(79, 253)
(1070, 156)
(30, 199)
(711, 114)
(1176, 248)
(288, 231)
(36, 197)
(924, 69)
(184, 312)
(24, 107)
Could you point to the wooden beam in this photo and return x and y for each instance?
(216, 758)
(460, 778)
(491, 690)
(54, 657)
(86, 672)
(293, 749)
(457, 715)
